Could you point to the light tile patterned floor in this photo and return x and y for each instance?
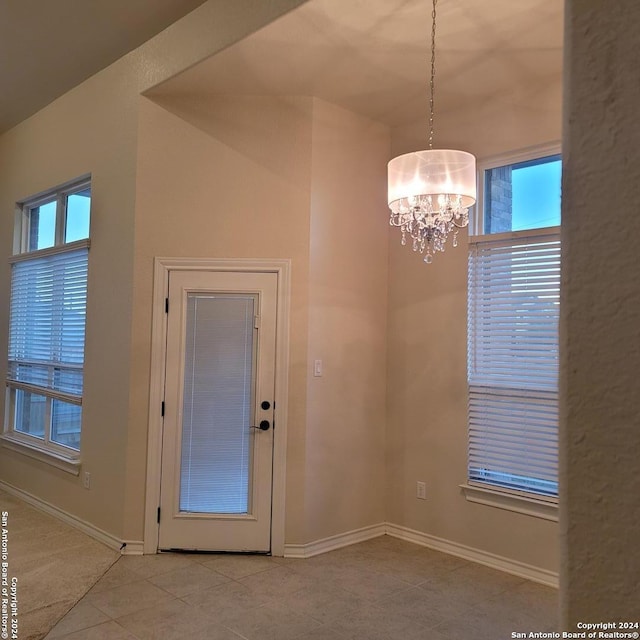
(382, 589)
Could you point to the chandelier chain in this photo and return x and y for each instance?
(433, 73)
(430, 191)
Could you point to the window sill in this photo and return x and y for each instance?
(538, 508)
(59, 460)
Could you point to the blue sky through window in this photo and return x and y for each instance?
(78, 207)
(536, 194)
(77, 221)
(46, 226)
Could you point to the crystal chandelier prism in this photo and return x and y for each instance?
(430, 192)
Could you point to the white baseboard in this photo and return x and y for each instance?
(514, 567)
(334, 542)
(135, 547)
(543, 576)
(131, 548)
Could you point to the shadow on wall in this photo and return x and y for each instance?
(266, 130)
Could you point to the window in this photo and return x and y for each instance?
(513, 310)
(47, 322)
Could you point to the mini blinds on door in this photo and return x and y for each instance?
(47, 322)
(514, 299)
(219, 378)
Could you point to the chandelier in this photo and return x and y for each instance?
(430, 191)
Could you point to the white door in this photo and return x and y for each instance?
(217, 444)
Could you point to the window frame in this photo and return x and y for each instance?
(476, 222)
(536, 505)
(43, 449)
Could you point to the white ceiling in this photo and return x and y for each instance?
(373, 56)
(49, 46)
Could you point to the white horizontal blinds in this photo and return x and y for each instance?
(513, 439)
(514, 298)
(47, 322)
(217, 403)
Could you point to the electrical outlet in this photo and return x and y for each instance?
(421, 490)
(86, 480)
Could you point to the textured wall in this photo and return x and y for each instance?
(600, 434)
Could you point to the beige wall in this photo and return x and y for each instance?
(345, 466)
(219, 178)
(427, 390)
(284, 178)
(90, 130)
(93, 129)
(600, 349)
(529, 115)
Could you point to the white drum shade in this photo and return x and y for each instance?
(431, 173)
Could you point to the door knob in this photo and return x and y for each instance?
(263, 426)
(265, 404)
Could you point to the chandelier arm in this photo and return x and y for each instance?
(460, 226)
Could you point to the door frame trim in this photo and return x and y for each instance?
(162, 268)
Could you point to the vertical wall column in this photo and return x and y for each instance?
(600, 423)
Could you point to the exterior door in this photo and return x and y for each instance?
(217, 444)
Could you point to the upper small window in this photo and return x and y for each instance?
(56, 219)
(523, 196)
(42, 226)
(78, 205)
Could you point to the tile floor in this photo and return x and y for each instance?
(382, 589)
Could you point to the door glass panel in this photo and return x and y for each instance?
(217, 404)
